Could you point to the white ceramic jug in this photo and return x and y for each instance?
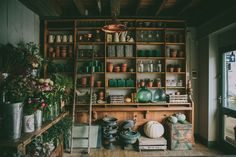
(64, 38)
(116, 37)
(123, 36)
(51, 38)
(70, 38)
(58, 38)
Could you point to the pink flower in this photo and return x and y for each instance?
(43, 105)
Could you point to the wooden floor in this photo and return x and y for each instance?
(198, 150)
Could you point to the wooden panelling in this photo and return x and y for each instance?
(18, 23)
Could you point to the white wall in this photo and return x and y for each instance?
(17, 23)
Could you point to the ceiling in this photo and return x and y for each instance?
(196, 12)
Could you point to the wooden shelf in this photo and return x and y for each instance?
(121, 88)
(170, 43)
(87, 59)
(90, 73)
(120, 43)
(149, 43)
(120, 57)
(60, 29)
(89, 87)
(90, 43)
(150, 72)
(27, 138)
(142, 104)
(176, 73)
(121, 72)
(59, 58)
(150, 58)
(88, 28)
(150, 28)
(175, 29)
(175, 87)
(175, 58)
(62, 43)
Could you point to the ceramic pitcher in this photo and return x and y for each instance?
(123, 36)
(64, 38)
(58, 38)
(116, 37)
(51, 38)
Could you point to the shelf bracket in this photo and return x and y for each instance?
(146, 113)
(135, 117)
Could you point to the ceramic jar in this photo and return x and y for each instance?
(109, 67)
(144, 95)
(57, 51)
(63, 52)
(83, 81)
(29, 123)
(173, 53)
(99, 83)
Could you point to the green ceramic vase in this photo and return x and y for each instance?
(144, 95)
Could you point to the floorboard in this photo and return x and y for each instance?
(198, 150)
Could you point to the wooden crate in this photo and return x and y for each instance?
(146, 143)
(179, 136)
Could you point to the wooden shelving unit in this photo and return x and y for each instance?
(164, 39)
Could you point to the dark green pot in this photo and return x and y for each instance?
(144, 95)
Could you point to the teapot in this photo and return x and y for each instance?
(123, 36)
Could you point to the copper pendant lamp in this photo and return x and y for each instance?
(114, 26)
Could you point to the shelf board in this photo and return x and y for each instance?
(175, 29)
(150, 57)
(142, 104)
(90, 43)
(28, 137)
(172, 43)
(88, 28)
(86, 59)
(67, 29)
(59, 58)
(150, 72)
(150, 28)
(121, 72)
(120, 43)
(149, 43)
(61, 43)
(155, 87)
(120, 88)
(176, 73)
(91, 87)
(120, 57)
(90, 73)
(175, 58)
(175, 87)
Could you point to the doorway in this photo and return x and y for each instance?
(228, 101)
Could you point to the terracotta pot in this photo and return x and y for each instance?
(173, 53)
(92, 81)
(178, 69)
(142, 83)
(57, 51)
(180, 53)
(150, 84)
(99, 83)
(109, 67)
(124, 69)
(171, 69)
(63, 54)
(83, 81)
(117, 69)
(50, 50)
(124, 65)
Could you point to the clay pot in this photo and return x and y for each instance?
(50, 50)
(180, 53)
(142, 83)
(92, 81)
(124, 69)
(173, 52)
(150, 83)
(178, 69)
(57, 51)
(63, 52)
(99, 83)
(124, 65)
(83, 81)
(117, 69)
(171, 69)
(109, 67)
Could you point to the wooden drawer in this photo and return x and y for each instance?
(179, 136)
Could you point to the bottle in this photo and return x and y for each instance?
(140, 67)
(150, 66)
(159, 66)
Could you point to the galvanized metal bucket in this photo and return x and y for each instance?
(13, 120)
(38, 118)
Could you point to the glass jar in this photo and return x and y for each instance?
(144, 95)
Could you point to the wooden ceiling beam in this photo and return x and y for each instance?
(80, 6)
(160, 8)
(188, 6)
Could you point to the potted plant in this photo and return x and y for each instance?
(170, 68)
(177, 68)
(15, 91)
